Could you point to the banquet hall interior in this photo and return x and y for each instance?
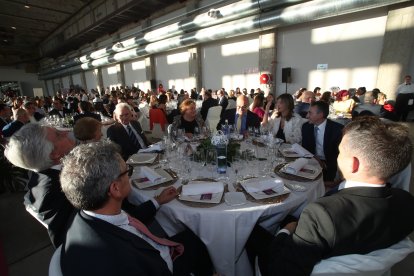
(55, 50)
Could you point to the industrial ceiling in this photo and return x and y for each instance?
(34, 29)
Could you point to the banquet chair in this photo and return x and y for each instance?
(213, 117)
(378, 262)
(157, 116)
(375, 263)
(54, 266)
(232, 104)
(157, 131)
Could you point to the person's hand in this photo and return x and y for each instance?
(167, 195)
(291, 227)
(189, 135)
(268, 104)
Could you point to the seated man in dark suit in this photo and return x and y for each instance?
(103, 239)
(85, 111)
(58, 108)
(364, 216)
(322, 137)
(208, 102)
(240, 116)
(40, 149)
(126, 132)
(21, 118)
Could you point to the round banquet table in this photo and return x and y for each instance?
(225, 229)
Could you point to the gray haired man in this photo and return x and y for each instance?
(40, 149)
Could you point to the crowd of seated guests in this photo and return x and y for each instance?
(307, 123)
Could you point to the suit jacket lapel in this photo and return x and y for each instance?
(122, 234)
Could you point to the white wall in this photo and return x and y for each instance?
(110, 76)
(351, 46)
(172, 69)
(91, 79)
(231, 63)
(28, 81)
(76, 79)
(135, 74)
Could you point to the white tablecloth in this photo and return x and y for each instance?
(225, 229)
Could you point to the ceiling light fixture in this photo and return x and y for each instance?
(14, 28)
(27, 5)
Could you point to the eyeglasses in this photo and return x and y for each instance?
(242, 107)
(129, 171)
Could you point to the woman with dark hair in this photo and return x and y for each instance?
(189, 118)
(257, 106)
(326, 97)
(284, 123)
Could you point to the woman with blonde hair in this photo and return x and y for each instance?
(189, 119)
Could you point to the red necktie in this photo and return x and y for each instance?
(176, 249)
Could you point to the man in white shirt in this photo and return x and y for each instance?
(103, 239)
(405, 98)
(362, 217)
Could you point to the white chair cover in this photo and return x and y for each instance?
(213, 117)
(157, 131)
(232, 104)
(54, 266)
(375, 263)
(378, 262)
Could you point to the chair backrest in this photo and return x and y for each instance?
(213, 117)
(157, 131)
(378, 262)
(54, 266)
(232, 104)
(157, 116)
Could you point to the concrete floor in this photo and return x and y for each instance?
(28, 250)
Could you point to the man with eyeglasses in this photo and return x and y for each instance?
(103, 239)
(41, 149)
(241, 117)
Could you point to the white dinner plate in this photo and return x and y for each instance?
(142, 184)
(215, 198)
(263, 195)
(308, 171)
(142, 158)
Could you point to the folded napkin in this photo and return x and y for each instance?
(147, 172)
(196, 188)
(301, 150)
(153, 148)
(254, 186)
(296, 166)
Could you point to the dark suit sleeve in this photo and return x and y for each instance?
(145, 212)
(297, 254)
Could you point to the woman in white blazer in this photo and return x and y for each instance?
(284, 123)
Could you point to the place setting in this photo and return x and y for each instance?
(147, 178)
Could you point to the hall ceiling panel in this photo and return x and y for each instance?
(35, 29)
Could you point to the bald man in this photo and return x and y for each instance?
(240, 116)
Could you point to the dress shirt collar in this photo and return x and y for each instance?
(350, 184)
(57, 167)
(119, 220)
(322, 125)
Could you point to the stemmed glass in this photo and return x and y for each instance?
(236, 166)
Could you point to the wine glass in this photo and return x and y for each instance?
(199, 158)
